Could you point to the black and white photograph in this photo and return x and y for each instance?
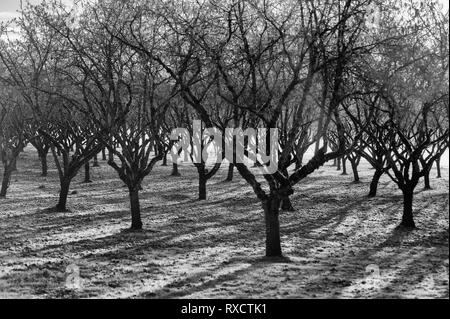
(234, 150)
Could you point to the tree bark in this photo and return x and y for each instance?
(87, 173)
(230, 173)
(438, 167)
(354, 170)
(164, 162)
(104, 154)
(203, 176)
(344, 165)
(299, 161)
(175, 170)
(202, 186)
(407, 217)
(374, 183)
(136, 222)
(271, 217)
(44, 165)
(6, 180)
(110, 156)
(286, 205)
(426, 178)
(63, 193)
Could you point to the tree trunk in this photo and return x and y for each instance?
(104, 154)
(202, 186)
(271, 214)
(175, 170)
(338, 164)
(230, 173)
(87, 173)
(374, 183)
(344, 166)
(201, 180)
(164, 162)
(6, 179)
(110, 156)
(136, 222)
(438, 167)
(407, 217)
(334, 162)
(286, 205)
(44, 165)
(95, 164)
(298, 161)
(63, 193)
(426, 178)
(354, 170)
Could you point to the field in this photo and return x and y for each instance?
(337, 244)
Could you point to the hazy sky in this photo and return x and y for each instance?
(8, 7)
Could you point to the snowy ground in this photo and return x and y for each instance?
(338, 243)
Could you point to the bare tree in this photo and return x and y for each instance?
(125, 95)
(262, 61)
(12, 138)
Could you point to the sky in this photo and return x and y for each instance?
(8, 8)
